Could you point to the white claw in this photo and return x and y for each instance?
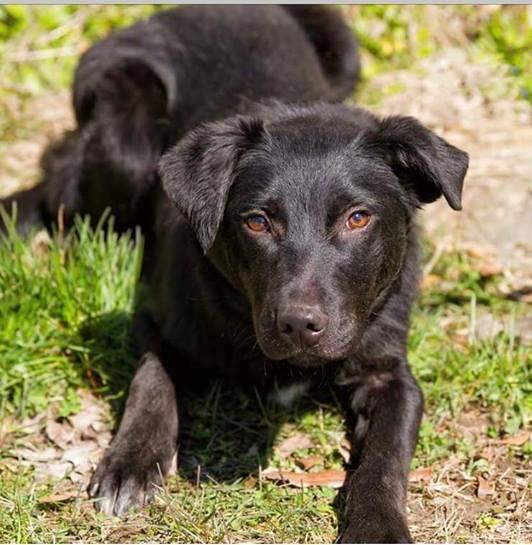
(105, 504)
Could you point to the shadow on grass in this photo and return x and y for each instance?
(111, 357)
(227, 432)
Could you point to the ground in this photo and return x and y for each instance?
(248, 469)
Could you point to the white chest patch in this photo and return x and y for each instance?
(286, 396)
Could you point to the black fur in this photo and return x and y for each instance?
(142, 88)
(246, 94)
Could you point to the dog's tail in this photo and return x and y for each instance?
(334, 42)
(25, 207)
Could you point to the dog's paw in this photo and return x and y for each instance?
(123, 482)
(380, 526)
(353, 534)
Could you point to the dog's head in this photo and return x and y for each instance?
(306, 211)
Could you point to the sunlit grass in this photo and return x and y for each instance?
(65, 308)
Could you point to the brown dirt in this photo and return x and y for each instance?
(36, 123)
(483, 497)
(474, 106)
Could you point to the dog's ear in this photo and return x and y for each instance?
(198, 172)
(423, 162)
(127, 107)
(125, 92)
(127, 84)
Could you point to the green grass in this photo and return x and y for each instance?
(492, 376)
(64, 324)
(65, 307)
(398, 36)
(184, 513)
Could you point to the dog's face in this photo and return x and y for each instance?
(312, 220)
(314, 230)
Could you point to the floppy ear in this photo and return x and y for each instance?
(423, 161)
(126, 83)
(132, 68)
(198, 172)
(127, 107)
(125, 92)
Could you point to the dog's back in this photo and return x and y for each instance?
(139, 90)
(206, 55)
(334, 43)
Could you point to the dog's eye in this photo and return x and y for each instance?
(257, 223)
(357, 220)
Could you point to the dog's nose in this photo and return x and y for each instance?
(302, 325)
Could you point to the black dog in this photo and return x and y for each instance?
(281, 236)
(141, 89)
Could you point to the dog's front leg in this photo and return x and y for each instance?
(142, 451)
(386, 411)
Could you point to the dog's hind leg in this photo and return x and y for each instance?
(57, 194)
(142, 451)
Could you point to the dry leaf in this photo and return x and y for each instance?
(488, 326)
(250, 482)
(60, 434)
(333, 478)
(10, 464)
(54, 470)
(46, 455)
(309, 462)
(430, 280)
(461, 336)
(103, 439)
(84, 421)
(89, 419)
(89, 434)
(479, 252)
(32, 425)
(79, 455)
(81, 440)
(517, 440)
(58, 498)
(485, 488)
(289, 445)
(421, 475)
(489, 269)
(519, 289)
(80, 478)
(5, 428)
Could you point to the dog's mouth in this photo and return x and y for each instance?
(330, 351)
(304, 358)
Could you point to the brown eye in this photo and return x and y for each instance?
(257, 223)
(357, 220)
